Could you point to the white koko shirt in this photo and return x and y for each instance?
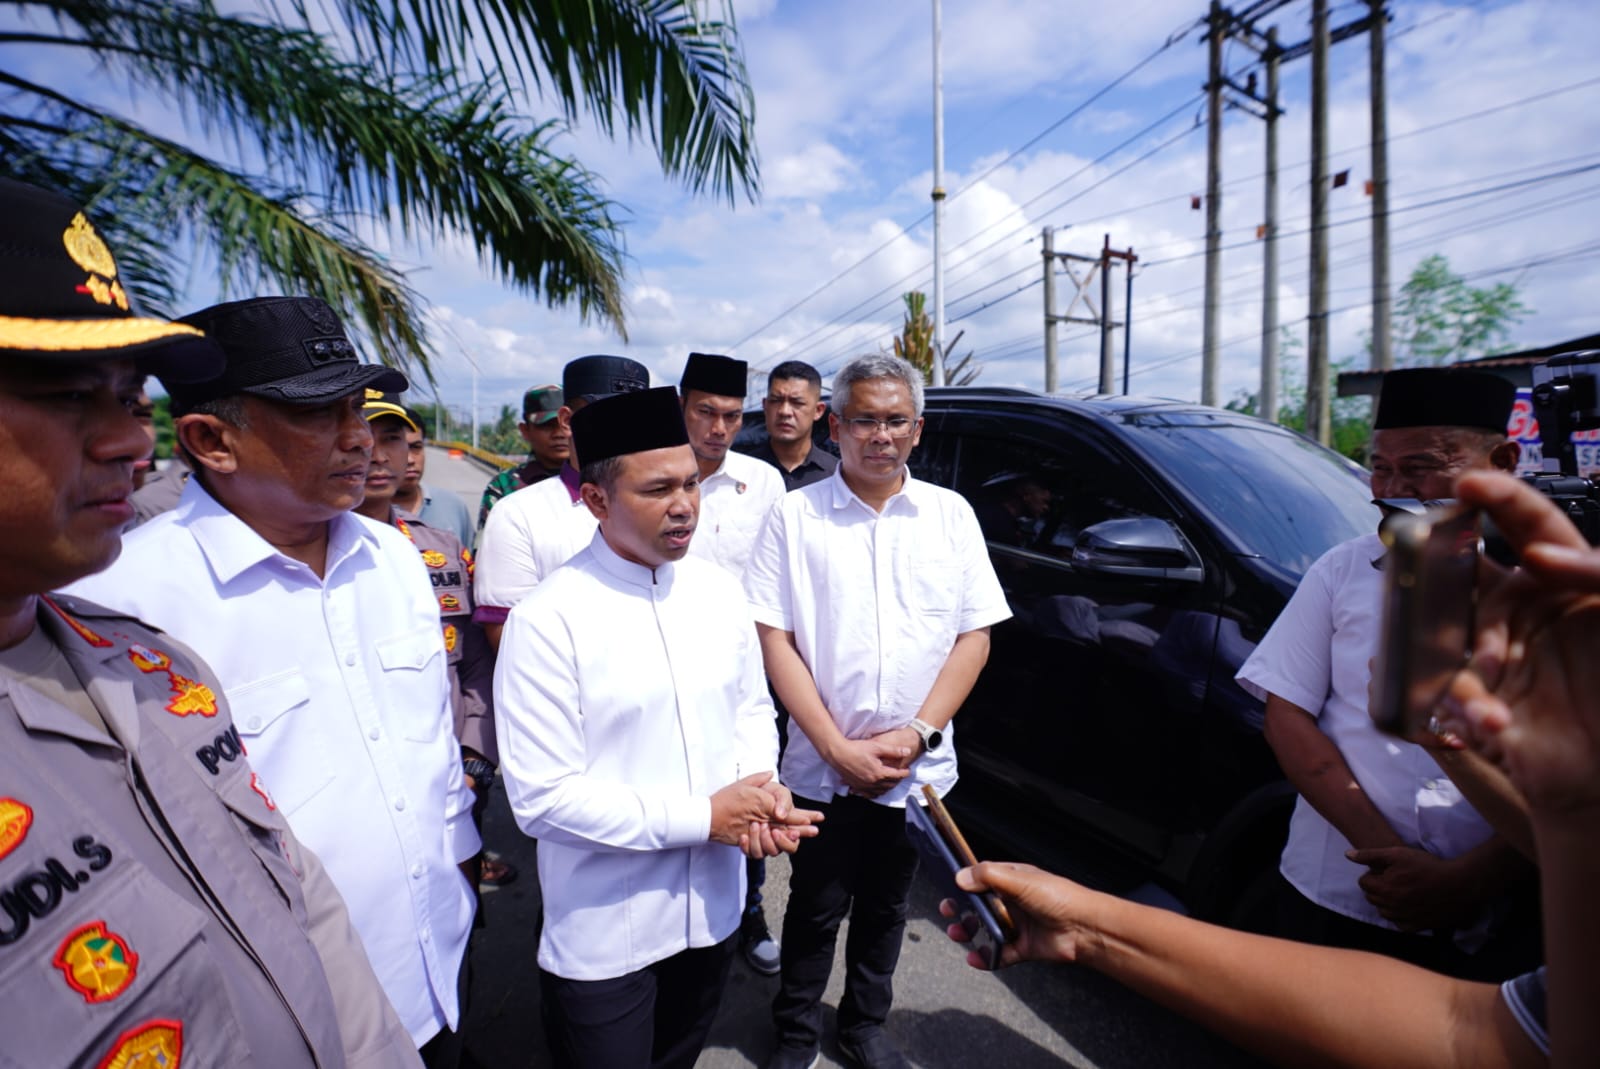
(1317, 656)
(339, 693)
(624, 698)
(530, 532)
(734, 501)
(875, 602)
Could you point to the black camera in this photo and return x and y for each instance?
(1566, 398)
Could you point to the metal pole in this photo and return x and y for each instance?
(1108, 369)
(938, 199)
(1382, 340)
(1127, 324)
(474, 406)
(1269, 254)
(1213, 297)
(1049, 310)
(1318, 416)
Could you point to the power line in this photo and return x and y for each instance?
(1093, 98)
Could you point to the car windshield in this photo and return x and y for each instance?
(1279, 495)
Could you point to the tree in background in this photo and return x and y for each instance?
(1351, 423)
(1439, 319)
(915, 344)
(368, 116)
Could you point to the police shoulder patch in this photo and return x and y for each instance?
(97, 962)
(154, 1043)
(15, 820)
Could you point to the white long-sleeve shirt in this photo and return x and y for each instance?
(624, 698)
(339, 693)
(529, 534)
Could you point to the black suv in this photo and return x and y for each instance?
(1145, 546)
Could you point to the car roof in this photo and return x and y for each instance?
(1086, 404)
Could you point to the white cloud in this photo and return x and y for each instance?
(815, 171)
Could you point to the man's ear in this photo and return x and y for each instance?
(210, 441)
(594, 496)
(1505, 455)
(564, 417)
(835, 429)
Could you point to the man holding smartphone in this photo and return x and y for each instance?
(1382, 846)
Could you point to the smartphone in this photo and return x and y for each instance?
(1430, 581)
(945, 852)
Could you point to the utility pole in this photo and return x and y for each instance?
(1100, 317)
(1127, 328)
(938, 197)
(1269, 253)
(1108, 323)
(1108, 368)
(1382, 339)
(1049, 310)
(1318, 403)
(1213, 292)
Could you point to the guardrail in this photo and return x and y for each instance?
(493, 461)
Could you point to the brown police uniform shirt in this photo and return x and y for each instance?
(154, 907)
(467, 650)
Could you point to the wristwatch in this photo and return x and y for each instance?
(931, 736)
(481, 771)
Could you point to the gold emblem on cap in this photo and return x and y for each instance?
(92, 254)
(374, 395)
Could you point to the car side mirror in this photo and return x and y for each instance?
(1137, 547)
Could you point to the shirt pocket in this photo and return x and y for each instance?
(124, 962)
(935, 587)
(283, 743)
(407, 660)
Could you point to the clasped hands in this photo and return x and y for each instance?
(757, 815)
(872, 766)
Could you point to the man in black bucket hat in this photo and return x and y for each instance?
(157, 902)
(322, 627)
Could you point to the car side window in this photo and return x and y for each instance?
(1039, 497)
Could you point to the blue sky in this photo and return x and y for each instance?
(845, 130)
(843, 122)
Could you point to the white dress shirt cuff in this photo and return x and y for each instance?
(688, 822)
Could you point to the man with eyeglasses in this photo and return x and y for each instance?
(873, 595)
(792, 407)
(1384, 853)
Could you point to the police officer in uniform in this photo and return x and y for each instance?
(154, 906)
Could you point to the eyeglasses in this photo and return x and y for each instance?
(897, 426)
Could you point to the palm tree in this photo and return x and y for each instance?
(915, 344)
(365, 117)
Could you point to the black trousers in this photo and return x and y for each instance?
(657, 1017)
(861, 866)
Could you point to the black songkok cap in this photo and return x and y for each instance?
(1444, 397)
(590, 378)
(292, 350)
(628, 423)
(62, 299)
(709, 373)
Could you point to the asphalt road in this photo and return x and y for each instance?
(946, 1016)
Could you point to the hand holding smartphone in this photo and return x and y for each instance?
(945, 852)
(1430, 597)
